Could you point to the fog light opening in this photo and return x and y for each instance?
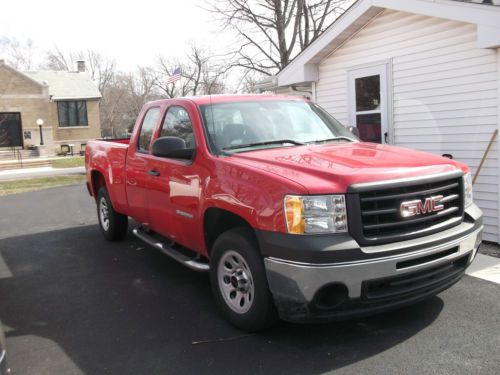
(330, 296)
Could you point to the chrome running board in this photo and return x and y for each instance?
(193, 263)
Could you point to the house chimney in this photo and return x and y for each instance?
(80, 66)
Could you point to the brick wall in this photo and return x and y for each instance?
(20, 94)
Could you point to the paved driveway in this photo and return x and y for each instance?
(73, 303)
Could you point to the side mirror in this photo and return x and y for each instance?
(172, 147)
(354, 130)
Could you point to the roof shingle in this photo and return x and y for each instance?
(66, 85)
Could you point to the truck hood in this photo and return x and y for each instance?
(331, 168)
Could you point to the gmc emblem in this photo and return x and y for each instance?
(417, 207)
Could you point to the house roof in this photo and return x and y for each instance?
(304, 68)
(66, 85)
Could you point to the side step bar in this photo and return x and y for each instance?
(192, 263)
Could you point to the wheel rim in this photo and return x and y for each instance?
(235, 282)
(104, 213)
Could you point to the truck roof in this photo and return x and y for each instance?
(208, 99)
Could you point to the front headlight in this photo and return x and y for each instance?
(467, 182)
(315, 214)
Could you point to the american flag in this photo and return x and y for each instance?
(176, 75)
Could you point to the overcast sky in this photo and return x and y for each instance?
(133, 33)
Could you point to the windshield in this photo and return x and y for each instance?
(246, 126)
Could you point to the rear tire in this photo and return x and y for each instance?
(239, 282)
(113, 225)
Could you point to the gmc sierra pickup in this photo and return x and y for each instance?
(290, 213)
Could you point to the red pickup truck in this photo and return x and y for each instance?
(290, 213)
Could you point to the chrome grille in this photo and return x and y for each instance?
(378, 216)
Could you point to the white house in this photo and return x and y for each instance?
(423, 74)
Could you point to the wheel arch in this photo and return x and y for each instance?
(97, 180)
(219, 220)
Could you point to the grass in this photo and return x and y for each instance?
(66, 162)
(32, 184)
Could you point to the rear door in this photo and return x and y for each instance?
(138, 159)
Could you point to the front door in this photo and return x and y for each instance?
(369, 103)
(10, 130)
(174, 188)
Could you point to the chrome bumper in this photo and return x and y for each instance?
(308, 278)
(297, 286)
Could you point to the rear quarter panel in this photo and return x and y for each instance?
(108, 158)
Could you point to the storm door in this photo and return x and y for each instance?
(368, 103)
(10, 130)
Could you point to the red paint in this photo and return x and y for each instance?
(251, 184)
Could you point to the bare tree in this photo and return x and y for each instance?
(100, 68)
(141, 87)
(18, 54)
(165, 69)
(249, 81)
(123, 99)
(200, 74)
(272, 32)
(56, 59)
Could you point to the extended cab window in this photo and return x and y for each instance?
(178, 124)
(148, 126)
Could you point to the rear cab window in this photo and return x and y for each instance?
(147, 129)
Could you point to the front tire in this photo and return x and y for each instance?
(113, 225)
(239, 282)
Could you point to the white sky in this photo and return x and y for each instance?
(133, 33)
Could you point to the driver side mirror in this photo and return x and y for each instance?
(354, 130)
(172, 147)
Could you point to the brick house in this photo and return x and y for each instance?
(67, 102)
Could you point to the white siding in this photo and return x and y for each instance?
(445, 91)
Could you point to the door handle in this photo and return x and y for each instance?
(386, 137)
(153, 172)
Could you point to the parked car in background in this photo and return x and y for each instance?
(287, 210)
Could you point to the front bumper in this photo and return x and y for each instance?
(367, 280)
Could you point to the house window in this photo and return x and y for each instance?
(72, 113)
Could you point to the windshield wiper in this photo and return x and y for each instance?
(340, 138)
(276, 142)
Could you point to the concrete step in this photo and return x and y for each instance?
(11, 155)
(25, 164)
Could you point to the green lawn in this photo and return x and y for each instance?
(69, 162)
(32, 184)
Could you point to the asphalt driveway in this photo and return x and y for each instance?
(73, 303)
